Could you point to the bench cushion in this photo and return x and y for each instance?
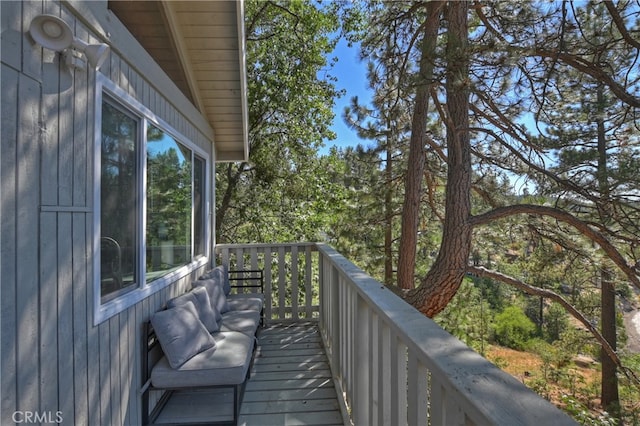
(181, 334)
(219, 273)
(200, 298)
(226, 364)
(216, 293)
(246, 302)
(245, 322)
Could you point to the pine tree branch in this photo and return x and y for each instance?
(583, 227)
(590, 69)
(619, 23)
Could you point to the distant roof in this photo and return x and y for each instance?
(200, 45)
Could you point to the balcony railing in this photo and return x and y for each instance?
(392, 364)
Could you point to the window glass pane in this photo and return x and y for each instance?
(118, 197)
(199, 216)
(168, 233)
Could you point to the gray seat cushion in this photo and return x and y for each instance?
(246, 322)
(226, 364)
(246, 302)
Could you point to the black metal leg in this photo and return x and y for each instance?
(236, 404)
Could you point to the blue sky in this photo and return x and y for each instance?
(352, 77)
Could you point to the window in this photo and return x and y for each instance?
(119, 182)
(151, 184)
(169, 203)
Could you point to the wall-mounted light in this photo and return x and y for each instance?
(53, 33)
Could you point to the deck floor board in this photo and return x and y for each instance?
(290, 384)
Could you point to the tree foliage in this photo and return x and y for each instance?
(543, 94)
(277, 195)
(525, 156)
(513, 328)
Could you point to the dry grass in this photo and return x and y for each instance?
(528, 368)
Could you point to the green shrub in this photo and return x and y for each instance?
(513, 328)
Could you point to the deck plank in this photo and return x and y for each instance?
(290, 384)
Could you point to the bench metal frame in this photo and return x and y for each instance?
(152, 345)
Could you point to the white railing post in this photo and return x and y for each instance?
(417, 392)
(335, 318)
(362, 353)
(294, 283)
(399, 382)
(308, 286)
(268, 286)
(374, 369)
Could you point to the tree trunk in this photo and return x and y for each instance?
(225, 204)
(388, 211)
(609, 392)
(416, 160)
(609, 396)
(446, 274)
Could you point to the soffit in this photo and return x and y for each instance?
(200, 45)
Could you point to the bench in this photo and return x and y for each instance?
(205, 338)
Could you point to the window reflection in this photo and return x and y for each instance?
(118, 198)
(169, 202)
(199, 216)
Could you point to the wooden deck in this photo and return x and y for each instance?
(290, 384)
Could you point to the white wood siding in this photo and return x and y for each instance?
(54, 361)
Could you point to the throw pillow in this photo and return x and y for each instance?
(221, 273)
(181, 334)
(216, 294)
(200, 299)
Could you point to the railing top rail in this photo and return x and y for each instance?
(220, 247)
(489, 392)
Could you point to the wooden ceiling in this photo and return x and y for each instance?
(200, 45)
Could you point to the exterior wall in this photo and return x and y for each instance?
(57, 367)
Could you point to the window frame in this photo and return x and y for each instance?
(114, 304)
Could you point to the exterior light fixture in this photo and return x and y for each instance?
(53, 33)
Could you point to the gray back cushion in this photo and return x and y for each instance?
(181, 334)
(220, 273)
(216, 293)
(200, 299)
